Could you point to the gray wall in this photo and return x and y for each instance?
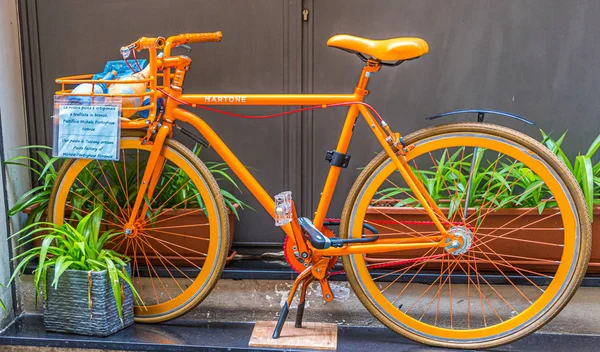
(13, 181)
(537, 58)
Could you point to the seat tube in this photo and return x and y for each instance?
(342, 147)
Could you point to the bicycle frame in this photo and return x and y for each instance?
(387, 139)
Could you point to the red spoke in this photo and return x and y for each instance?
(168, 199)
(104, 221)
(161, 257)
(400, 223)
(126, 183)
(450, 270)
(442, 219)
(538, 260)
(104, 189)
(163, 187)
(493, 289)
(468, 295)
(169, 248)
(101, 202)
(408, 283)
(517, 268)
(512, 231)
(176, 227)
(490, 210)
(481, 294)
(150, 266)
(121, 183)
(480, 235)
(478, 287)
(195, 211)
(484, 204)
(506, 277)
(137, 268)
(412, 234)
(429, 252)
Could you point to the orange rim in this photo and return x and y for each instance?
(174, 247)
(476, 308)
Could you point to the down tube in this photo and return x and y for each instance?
(234, 163)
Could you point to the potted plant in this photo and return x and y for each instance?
(516, 210)
(86, 287)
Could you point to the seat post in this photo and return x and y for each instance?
(370, 67)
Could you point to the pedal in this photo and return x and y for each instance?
(283, 208)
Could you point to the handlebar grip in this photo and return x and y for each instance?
(203, 37)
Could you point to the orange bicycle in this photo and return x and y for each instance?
(456, 275)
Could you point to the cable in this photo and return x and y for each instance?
(136, 61)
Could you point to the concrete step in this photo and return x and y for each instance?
(253, 300)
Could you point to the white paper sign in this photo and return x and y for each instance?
(88, 132)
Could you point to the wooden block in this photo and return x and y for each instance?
(320, 336)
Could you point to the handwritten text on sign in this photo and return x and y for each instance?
(88, 132)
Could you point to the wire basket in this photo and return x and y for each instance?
(132, 102)
(139, 97)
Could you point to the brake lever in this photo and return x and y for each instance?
(126, 50)
(184, 46)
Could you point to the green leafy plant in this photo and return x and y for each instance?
(447, 180)
(35, 201)
(76, 248)
(586, 173)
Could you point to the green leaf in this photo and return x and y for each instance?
(116, 286)
(62, 264)
(586, 175)
(594, 147)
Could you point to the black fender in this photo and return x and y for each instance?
(481, 114)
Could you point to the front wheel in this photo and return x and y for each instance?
(178, 246)
(524, 225)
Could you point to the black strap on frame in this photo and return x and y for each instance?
(337, 159)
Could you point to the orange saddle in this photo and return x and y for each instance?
(395, 49)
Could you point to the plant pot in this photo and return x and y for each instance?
(188, 250)
(66, 308)
(498, 218)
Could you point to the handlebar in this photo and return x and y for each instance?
(200, 37)
(171, 42)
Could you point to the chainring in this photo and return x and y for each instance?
(292, 256)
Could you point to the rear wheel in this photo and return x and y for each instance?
(178, 246)
(515, 268)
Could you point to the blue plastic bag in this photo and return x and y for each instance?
(121, 67)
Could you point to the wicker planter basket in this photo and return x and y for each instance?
(66, 309)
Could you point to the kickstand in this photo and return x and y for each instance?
(300, 311)
(304, 276)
